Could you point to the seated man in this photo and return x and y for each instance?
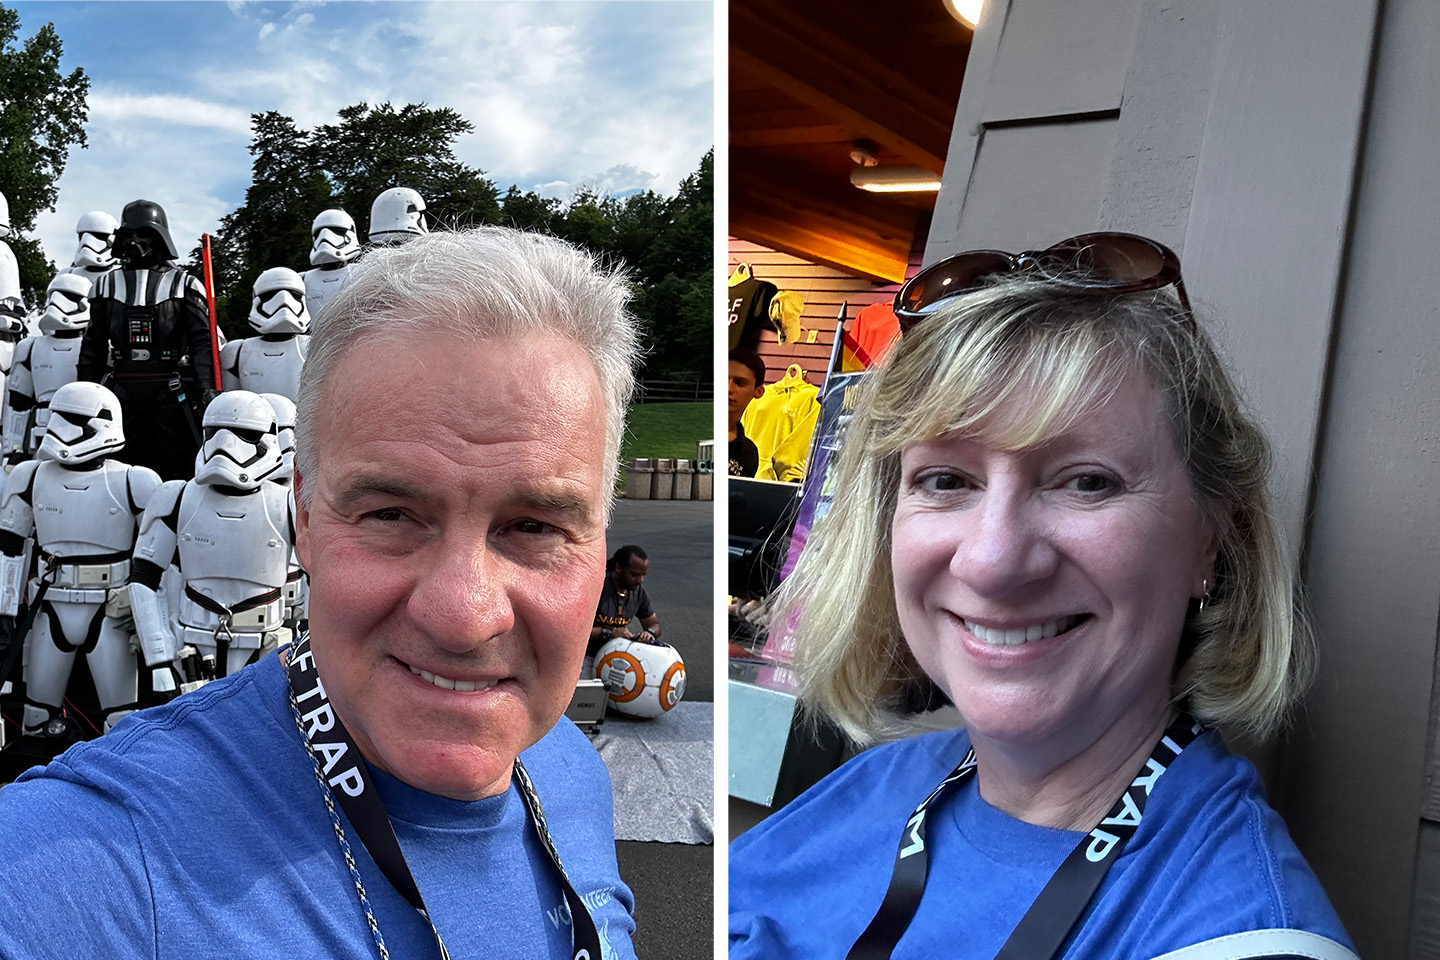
(747, 382)
(623, 599)
(450, 509)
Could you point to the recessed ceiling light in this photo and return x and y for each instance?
(966, 11)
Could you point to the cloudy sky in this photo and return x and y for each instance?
(616, 95)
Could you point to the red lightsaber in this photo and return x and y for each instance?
(210, 301)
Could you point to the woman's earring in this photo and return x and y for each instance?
(1204, 595)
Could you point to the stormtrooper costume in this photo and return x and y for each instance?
(230, 532)
(297, 584)
(82, 510)
(44, 364)
(271, 362)
(397, 215)
(95, 255)
(12, 305)
(154, 317)
(335, 243)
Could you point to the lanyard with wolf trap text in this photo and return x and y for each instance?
(1047, 923)
(342, 776)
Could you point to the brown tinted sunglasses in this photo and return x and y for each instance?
(1092, 263)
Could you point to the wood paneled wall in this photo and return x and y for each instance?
(824, 289)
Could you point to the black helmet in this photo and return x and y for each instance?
(140, 217)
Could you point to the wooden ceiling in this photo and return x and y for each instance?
(808, 77)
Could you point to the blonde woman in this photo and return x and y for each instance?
(1056, 509)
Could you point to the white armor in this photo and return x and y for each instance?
(321, 285)
(230, 533)
(335, 244)
(297, 584)
(397, 215)
(12, 304)
(334, 238)
(271, 362)
(44, 364)
(82, 511)
(96, 231)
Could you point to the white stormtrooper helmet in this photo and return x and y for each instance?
(242, 445)
(279, 302)
(397, 215)
(67, 303)
(644, 679)
(333, 238)
(97, 240)
(5, 230)
(284, 422)
(84, 425)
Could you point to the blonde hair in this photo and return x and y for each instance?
(1243, 660)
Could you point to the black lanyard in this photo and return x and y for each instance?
(1050, 918)
(343, 777)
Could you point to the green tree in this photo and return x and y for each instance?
(272, 228)
(42, 115)
(665, 243)
(528, 210)
(373, 149)
(669, 245)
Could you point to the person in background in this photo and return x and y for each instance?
(747, 383)
(622, 600)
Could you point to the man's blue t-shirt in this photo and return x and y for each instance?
(198, 830)
(1210, 858)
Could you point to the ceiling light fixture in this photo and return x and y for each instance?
(966, 11)
(898, 179)
(865, 153)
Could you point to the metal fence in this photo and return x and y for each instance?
(674, 391)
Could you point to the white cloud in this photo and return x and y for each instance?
(108, 108)
(615, 96)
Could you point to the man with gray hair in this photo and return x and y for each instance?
(398, 776)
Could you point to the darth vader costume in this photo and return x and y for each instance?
(149, 341)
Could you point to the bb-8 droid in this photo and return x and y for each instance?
(644, 679)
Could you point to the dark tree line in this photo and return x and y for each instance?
(665, 242)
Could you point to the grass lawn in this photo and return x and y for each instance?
(667, 429)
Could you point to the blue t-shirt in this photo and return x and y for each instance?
(198, 829)
(1210, 858)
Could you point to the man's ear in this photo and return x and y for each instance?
(302, 523)
(759, 391)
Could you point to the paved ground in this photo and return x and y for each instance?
(674, 883)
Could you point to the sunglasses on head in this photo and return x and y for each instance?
(1099, 264)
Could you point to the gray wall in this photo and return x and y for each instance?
(1290, 151)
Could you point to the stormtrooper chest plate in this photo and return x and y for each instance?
(52, 364)
(272, 366)
(322, 285)
(233, 547)
(82, 511)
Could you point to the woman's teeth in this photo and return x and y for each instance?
(1019, 635)
(445, 683)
